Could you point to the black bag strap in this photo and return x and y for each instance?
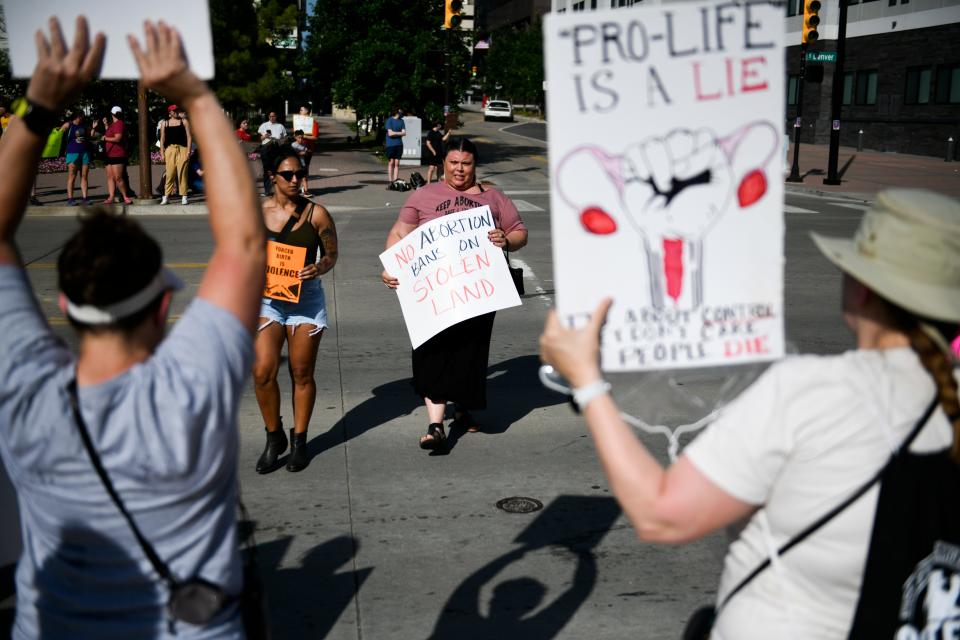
(159, 565)
(830, 515)
(287, 228)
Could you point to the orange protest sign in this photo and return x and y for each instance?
(284, 261)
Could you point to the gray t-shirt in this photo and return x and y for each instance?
(166, 433)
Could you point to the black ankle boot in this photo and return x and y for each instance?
(298, 452)
(276, 445)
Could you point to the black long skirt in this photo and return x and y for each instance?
(452, 365)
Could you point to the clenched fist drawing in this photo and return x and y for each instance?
(672, 190)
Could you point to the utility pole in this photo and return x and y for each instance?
(146, 175)
(836, 101)
(798, 123)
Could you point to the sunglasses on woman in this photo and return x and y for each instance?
(288, 175)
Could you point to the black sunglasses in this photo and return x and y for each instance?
(288, 175)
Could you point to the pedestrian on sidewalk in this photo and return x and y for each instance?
(396, 129)
(243, 131)
(153, 416)
(115, 139)
(292, 219)
(175, 144)
(78, 156)
(272, 134)
(304, 149)
(808, 439)
(452, 365)
(436, 139)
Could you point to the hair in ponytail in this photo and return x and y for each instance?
(936, 360)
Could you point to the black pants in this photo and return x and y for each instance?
(267, 154)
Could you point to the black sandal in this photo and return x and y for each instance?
(436, 436)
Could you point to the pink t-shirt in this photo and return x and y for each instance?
(438, 199)
(116, 149)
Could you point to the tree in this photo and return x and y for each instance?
(514, 64)
(377, 55)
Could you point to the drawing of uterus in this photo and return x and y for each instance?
(672, 190)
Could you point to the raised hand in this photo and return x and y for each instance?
(61, 73)
(163, 63)
(575, 353)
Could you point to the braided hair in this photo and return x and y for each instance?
(929, 340)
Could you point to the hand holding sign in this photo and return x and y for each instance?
(575, 353)
(163, 66)
(60, 73)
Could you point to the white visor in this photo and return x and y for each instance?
(89, 314)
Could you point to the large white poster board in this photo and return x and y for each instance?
(116, 19)
(449, 271)
(666, 191)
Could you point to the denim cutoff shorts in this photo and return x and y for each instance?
(312, 309)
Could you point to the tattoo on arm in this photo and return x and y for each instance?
(329, 239)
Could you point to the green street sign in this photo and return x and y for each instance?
(821, 56)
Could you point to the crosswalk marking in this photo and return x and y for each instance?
(789, 208)
(523, 205)
(859, 206)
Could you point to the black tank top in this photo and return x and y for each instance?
(175, 135)
(304, 235)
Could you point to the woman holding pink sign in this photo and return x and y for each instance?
(452, 365)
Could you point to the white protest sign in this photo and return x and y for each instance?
(449, 271)
(665, 179)
(116, 20)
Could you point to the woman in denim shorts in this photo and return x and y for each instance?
(292, 219)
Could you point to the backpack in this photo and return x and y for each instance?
(417, 180)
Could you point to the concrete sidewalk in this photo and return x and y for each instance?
(340, 175)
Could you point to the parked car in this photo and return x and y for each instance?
(498, 110)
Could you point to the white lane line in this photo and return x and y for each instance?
(789, 208)
(530, 276)
(324, 170)
(530, 192)
(851, 205)
(523, 205)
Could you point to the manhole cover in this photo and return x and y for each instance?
(519, 504)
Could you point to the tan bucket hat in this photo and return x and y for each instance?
(907, 249)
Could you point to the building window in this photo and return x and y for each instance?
(866, 88)
(848, 88)
(919, 83)
(792, 83)
(578, 6)
(948, 84)
(793, 7)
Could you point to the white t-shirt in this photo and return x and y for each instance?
(277, 131)
(809, 433)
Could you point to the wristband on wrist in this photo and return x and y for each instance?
(583, 395)
(38, 119)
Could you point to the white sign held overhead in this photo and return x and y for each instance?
(449, 271)
(664, 130)
(115, 19)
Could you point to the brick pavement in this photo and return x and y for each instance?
(866, 172)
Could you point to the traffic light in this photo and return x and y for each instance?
(811, 20)
(451, 13)
(473, 71)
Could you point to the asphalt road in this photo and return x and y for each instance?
(376, 539)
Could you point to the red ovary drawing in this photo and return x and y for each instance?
(672, 190)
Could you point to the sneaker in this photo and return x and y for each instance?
(164, 200)
(86, 202)
(184, 200)
(71, 202)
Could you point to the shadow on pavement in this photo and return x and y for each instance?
(513, 391)
(306, 601)
(571, 526)
(490, 153)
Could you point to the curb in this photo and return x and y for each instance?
(813, 191)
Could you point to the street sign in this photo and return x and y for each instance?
(821, 56)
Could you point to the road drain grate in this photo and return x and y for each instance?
(519, 504)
